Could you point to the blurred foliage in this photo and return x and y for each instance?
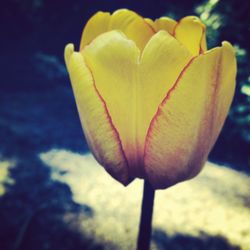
(56, 22)
(5, 179)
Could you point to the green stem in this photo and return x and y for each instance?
(143, 241)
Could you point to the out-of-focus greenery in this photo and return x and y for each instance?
(4, 176)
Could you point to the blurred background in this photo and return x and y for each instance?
(52, 193)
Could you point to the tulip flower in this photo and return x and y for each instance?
(152, 99)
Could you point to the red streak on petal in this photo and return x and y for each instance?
(177, 23)
(109, 118)
(159, 110)
(150, 26)
(215, 92)
(201, 51)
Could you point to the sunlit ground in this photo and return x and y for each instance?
(4, 175)
(216, 203)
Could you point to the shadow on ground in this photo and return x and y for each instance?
(181, 242)
(38, 213)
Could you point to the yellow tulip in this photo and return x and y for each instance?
(151, 98)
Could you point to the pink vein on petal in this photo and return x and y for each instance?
(201, 51)
(116, 133)
(159, 110)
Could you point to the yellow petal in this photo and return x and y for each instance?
(113, 60)
(69, 49)
(191, 32)
(165, 23)
(151, 23)
(99, 130)
(96, 25)
(132, 25)
(133, 89)
(161, 62)
(225, 88)
(183, 129)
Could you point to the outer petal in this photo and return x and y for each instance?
(113, 60)
(130, 23)
(188, 120)
(191, 32)
(99, 130)
(225, 88)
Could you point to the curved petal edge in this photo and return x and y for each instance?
(101, 135)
